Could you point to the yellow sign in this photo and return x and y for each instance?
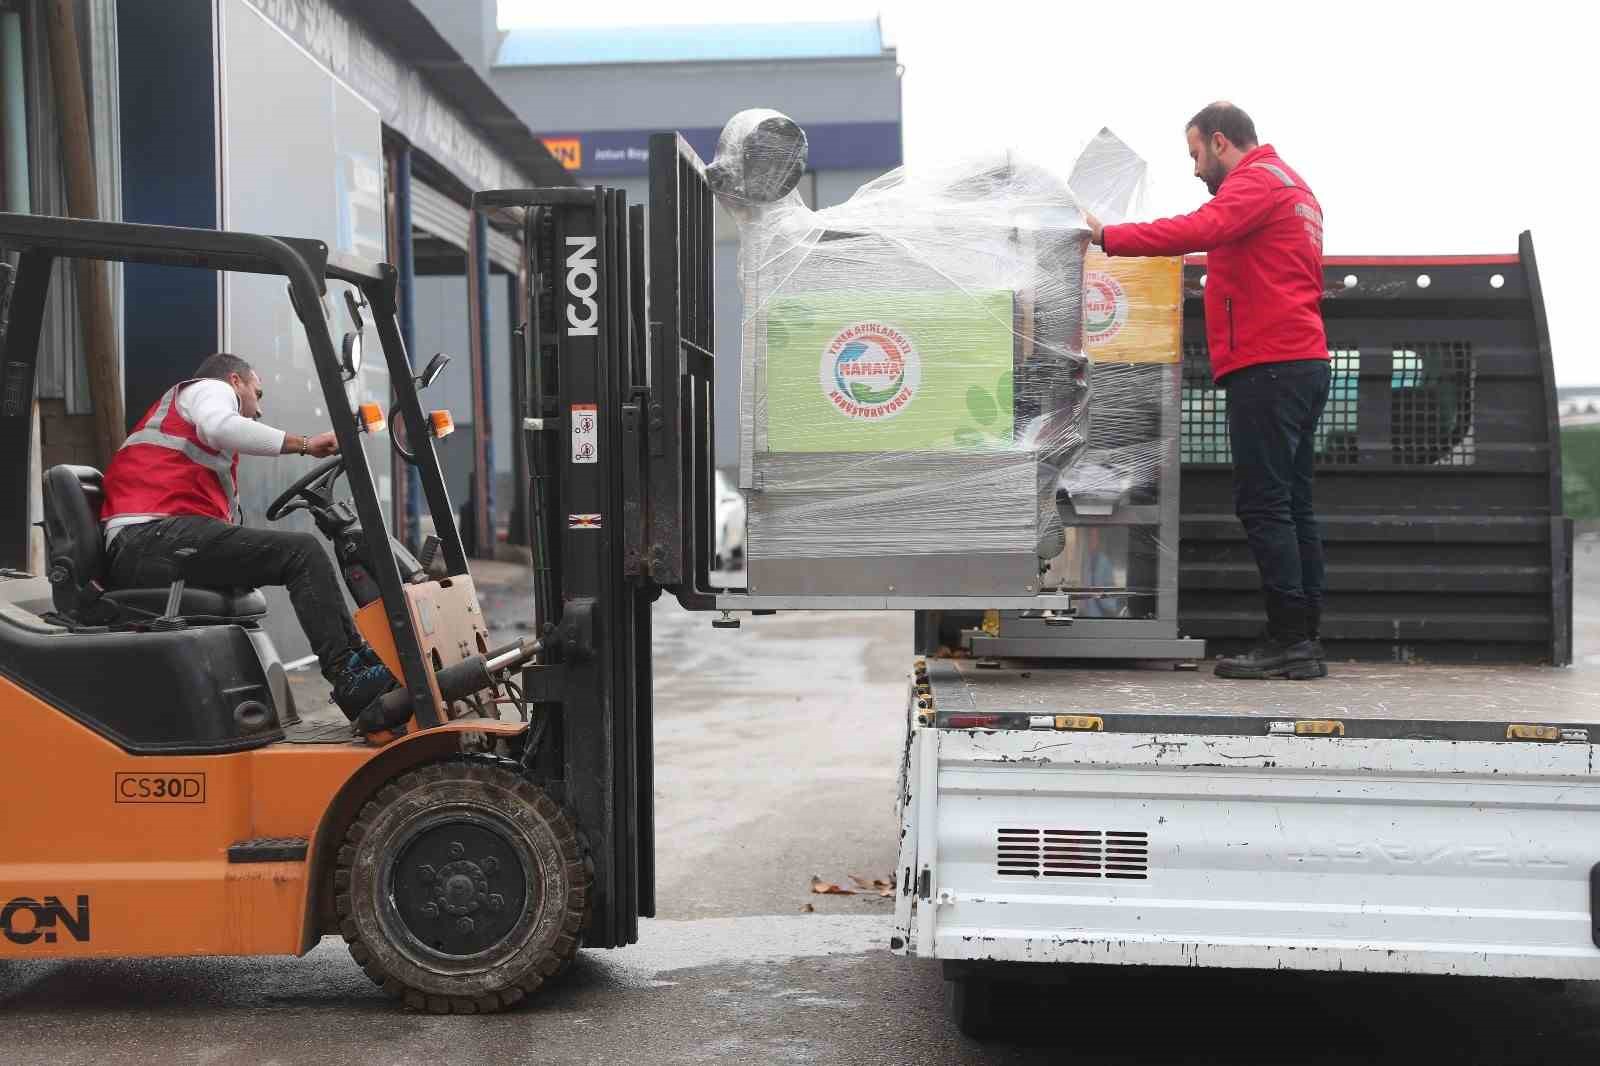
(567, 150)
(1133, 309)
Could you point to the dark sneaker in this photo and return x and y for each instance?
(1272, 658)
(363, 679)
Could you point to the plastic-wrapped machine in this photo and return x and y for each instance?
(938, 390)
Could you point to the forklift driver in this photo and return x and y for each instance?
(171, 511)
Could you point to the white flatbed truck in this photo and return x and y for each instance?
(1390, 819)
(1415, 819)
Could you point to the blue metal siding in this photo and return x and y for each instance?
(169, 177)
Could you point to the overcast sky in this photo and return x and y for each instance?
(1424, 128)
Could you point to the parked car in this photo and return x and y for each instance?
(730, 526)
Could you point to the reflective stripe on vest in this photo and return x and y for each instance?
(1279, 171)
(150, 432)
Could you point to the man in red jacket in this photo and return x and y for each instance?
(1262, 231)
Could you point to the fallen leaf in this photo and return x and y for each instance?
(828, 888)
(881, 886)
(808, 909)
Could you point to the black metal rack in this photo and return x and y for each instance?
(1438, 469)
(683, 380)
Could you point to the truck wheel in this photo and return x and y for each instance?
(971, 1004)
(462, 887)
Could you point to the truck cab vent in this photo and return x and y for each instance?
(1106, 853)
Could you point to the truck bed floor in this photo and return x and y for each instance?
(1435, 692)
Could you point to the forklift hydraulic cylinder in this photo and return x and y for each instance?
(457, 681)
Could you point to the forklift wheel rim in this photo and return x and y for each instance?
(419, 951)
(443, 860)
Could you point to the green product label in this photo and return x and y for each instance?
(886, 372)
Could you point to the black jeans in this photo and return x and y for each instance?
(227, 556)
(1273, 410)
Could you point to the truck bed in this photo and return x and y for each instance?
(1420, 696)
(1402, 819)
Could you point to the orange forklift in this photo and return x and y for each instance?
(472, 828)
(162, 795)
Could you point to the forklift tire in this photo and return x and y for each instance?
(462, 887)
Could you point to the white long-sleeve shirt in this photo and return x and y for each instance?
(212, 407)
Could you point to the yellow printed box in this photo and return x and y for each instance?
(1133, 309)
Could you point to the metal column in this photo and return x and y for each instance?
(406, 264)
(516, 288)
(482, 429)
(19, 355)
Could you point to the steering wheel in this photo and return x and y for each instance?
(307, 493)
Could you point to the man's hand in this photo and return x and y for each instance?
(1096, 230)
(322, 445)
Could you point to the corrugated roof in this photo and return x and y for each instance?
(572, 46)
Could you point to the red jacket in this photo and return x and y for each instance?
(164, 469)
(1263, 292)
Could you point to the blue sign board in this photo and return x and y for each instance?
(625, 153)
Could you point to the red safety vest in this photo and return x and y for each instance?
(163, 470)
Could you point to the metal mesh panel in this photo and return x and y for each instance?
(1433, 385)
(1336, 432)
(1204, 434)
(1205, 410)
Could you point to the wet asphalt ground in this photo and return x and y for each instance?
(777, 747)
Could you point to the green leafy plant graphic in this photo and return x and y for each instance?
(990, 411)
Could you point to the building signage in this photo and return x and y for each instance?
(624, 153)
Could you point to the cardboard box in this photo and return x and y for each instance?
(1132, 309)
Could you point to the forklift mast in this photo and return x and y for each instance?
(618, 387)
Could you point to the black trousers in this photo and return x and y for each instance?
(225, 555)
(1273, 410)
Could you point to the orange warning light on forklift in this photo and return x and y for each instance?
(370, 415)
(443, 425)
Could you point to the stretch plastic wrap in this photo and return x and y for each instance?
(923, 409)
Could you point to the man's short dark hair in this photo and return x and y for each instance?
(1222, 117)
(220, 364)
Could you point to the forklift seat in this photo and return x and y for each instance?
(76, 550)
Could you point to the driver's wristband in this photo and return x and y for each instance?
(305, 444)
